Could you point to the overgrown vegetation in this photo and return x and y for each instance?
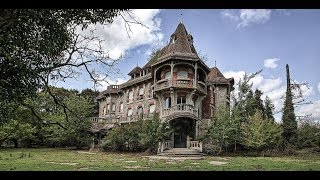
(24, 129)
(137, 136)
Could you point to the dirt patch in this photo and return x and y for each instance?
(85, 152)
(223, 159)
(175, 158)
(217, 163)
(83, 169)
(133, 167)
(170, 162)
(130, 161)
(72, 164)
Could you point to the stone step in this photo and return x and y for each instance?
(181, 152)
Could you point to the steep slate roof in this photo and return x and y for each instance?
(216, 77)
(135, 70)
(181, 44)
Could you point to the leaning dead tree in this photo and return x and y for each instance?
(298, 98)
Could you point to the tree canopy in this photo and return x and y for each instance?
(42, 44)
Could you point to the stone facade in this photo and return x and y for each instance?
(175, 83)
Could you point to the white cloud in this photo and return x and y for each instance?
(319, 87)
(115, 35)
(230, 14)
(253, 16)
(271, 63)
(246, 17)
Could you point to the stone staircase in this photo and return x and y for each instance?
(181, 152)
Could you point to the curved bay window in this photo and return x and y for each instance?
(182, 74)
(167, 75)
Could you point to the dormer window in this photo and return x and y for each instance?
(173, 39)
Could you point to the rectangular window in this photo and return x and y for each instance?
(181, 100)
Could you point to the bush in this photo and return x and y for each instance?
(137, 136)
(260, 134)
(308, 135)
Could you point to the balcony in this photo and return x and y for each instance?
(180, 83)
(104, 120)
(180, 110)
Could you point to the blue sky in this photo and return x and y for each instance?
(238, 40)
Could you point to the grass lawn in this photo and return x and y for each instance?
(73, 160)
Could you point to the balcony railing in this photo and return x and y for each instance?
(180, 108)
(195, 145)
(180, 83)
(102, 120)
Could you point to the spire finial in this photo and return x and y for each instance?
(181, 18)
(215, 63)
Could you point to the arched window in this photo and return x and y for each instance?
(108, 108)
(141, 93)
(130, 112)
(113, 107)
(182, 74)
(152, 108)
(130, 96)
(104, 110)
(167, 102)
(121, 107)
(140, 110)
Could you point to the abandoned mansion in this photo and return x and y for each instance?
(176, 84)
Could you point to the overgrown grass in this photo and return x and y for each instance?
(72, 160)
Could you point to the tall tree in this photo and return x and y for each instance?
(258, 100)
(269, 108)
(250, 104)
(289, 122)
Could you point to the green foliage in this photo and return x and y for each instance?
(21, 133)
(269, 108)
(223, 132)
(124, 138)
(289, 123)
(258, 133)
(75, 130)
(258, 102)
(309, 135)
(154, 131)
(137, 136)
(250, 104)
(34, 43)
